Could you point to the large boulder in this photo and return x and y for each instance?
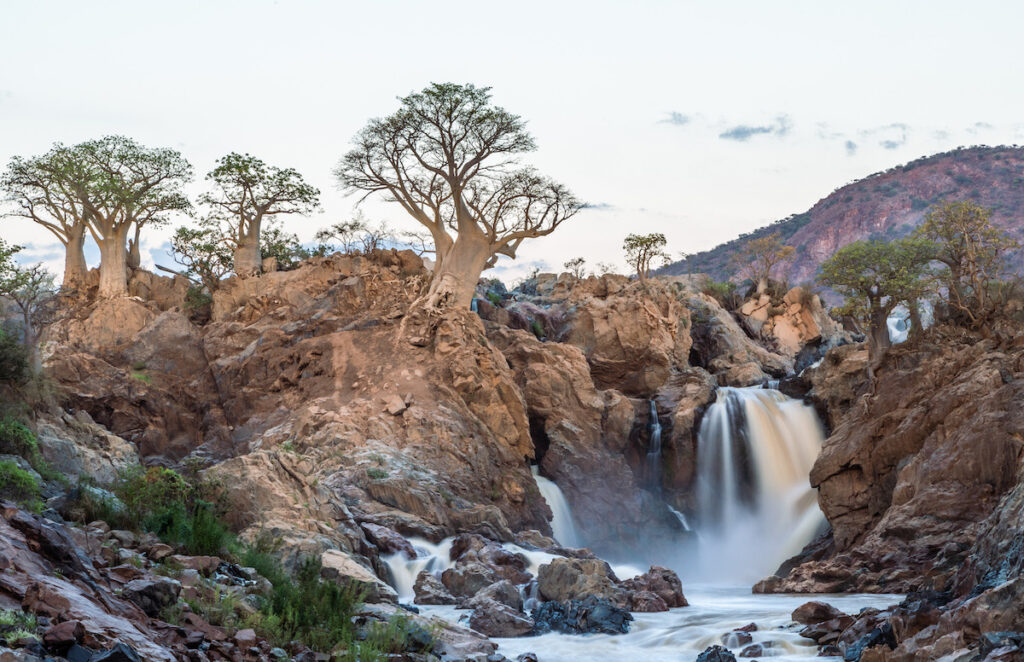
(566, 579)
(339, 567)
(591, 614)
(662, 583)
(495, 619)
(430, 591)
(152, 594)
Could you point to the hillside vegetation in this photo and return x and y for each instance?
(887, 205)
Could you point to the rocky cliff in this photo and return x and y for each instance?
(887, 205)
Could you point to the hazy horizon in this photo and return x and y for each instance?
(701, 122)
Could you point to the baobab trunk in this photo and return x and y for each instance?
(114, 265)
(134, 253)
(74, 259)
(248, 260)
(457, 273)
(878, 338)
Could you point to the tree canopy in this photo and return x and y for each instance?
(974, 252)
(247, 191)
(876, 277)
(448, 157)
(642, 249)
(759, 257)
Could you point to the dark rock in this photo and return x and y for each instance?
(646, 601)
(749, 627)
(119, 653)
(63, 635)
(527, 657)
(830, 650)
(877, 637)
(79, 654)
(990, 641)
(153, 594)
(467, 579)
(716, 654)
(660, 581)
(590, 614)
(495, 619)
(430, 591)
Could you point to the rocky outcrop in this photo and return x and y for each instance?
(565, 579)
(916, 471)
(797, 321)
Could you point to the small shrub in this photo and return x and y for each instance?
(197, 298)
(19, 485)
(376, 473)
(538, 329)
(494, 298)
(13, 618)
(14, 368)
(142, 377)
(725, 293)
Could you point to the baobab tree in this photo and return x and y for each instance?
(759, 257)
(447, 156)
(38, 190)
(246, 192)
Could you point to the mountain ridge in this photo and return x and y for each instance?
(886, 205)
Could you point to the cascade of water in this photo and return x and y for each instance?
(755, 505)
(434, 558)
(562, 525)
(654, 447)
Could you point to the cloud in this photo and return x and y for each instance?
(676, 119)
(940, 134)
(599, 206)
(851, 148)
(6, 95)
(744, 132)
(892, 144)
(978, 127)
(892, 136)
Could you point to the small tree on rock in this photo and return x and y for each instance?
(203, 253)
(875, 277)
(448, 157)
(32, 292)
(642, 250)
(247, 191)
(576, 267)
(759, 257)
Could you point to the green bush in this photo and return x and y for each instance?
(538, 329)
(725, 293)
(196, 298)
(19, 485)
(163, 502)
(376, 474)
(320, 614)
(13, 360)
(17, 439)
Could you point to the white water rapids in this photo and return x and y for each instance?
(755, 509)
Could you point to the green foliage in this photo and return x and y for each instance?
(19, 485)
(725, 293)
(538, 329)
(142, 377)
(197, 298)
(14, 369)
(17, 439)
(284, 246)
(642, 249)
(376, 474)
(494, 297)
(163, 502)
(14, 618)
(320, 614)
(974, 253)
(204, 255)
(357, 236)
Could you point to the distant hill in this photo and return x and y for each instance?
(888, 205)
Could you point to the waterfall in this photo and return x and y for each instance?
(654, 447)
(755, 506)
(434, 558)
(562, 525)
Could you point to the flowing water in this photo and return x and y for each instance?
(755, 506)
(562, 525)
(654, 448)
(755, 509)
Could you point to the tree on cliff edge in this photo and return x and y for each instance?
(642, 249)
(759, 257)
(246, 192)
(448, 157)
(875, 277)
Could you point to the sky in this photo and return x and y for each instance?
(700, 120)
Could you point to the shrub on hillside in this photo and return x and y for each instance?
(20, 486)
(13, 360)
